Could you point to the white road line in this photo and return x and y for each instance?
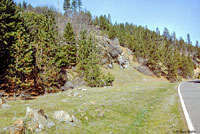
(187, 117)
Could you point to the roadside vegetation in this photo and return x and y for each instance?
(146, 105)
(113, 78)
(38, 45)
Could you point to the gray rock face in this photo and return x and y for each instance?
(38, 118)
(116, 41)
(110, 66)
(68, 85)
(114, 51)
(5, 106)
(144, 70)
(17, 128)
(124, 63)
(35, 120)
(62, 116)
(50, 124)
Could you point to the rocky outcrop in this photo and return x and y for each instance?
(145, 70)
(77, 82)
(122, 61)
(17, 128)
(114, 51)
(3, 104)
(68, 85)
(38, 118)
(35, 120)
(62, 116)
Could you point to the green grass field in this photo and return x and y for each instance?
(136, 104)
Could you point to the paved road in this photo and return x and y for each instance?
(191, 96)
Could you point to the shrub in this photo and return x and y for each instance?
(108, 79)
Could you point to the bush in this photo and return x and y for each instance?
(108, 79)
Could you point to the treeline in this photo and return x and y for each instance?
(163, 53)
(35, 52)
(35, 56)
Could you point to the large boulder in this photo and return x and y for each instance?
(114, 50)
(123, 62)
(68, 85)
(35, 121)
(62, 116)
(145, 70)
(38, 118)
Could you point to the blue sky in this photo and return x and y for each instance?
(181, 16)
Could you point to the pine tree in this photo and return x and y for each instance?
(166, 34)
(24, 5)
(157, 31)
(48, 76)
(66, 5)
(9, 20)
(197, 44)
(44, 36)
(111, 32)
(187, 67)
(79, 5)
(88, 61)
(21, 67)
(18, 63)
(71, 44)
(69, 34)
(92, 73)
(188, 39)
(83, 47)
(154, 61)
(103, 23)
(74, 5)
(174, 39)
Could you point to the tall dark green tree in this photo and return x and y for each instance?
(24, 5)
(79, 5)
(21, 67)
(157, 31)
(15, 45)
(9, 20)
(166, 34)
(188, 39)
(69, 36)
(112, 33)
(44, 36)
(88, 60)
(66, 5)
(74, 5)
(197, 44)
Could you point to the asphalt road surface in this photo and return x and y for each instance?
(191, 96)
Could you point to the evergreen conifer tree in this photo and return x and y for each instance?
(16, 51)
(74, 5)
(8, 25)
(66, 5)
(79, 5)
(88, 61)
(71, 44)
(21, 66)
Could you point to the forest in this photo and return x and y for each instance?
(38, 45)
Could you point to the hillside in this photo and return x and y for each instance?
(79, 73)
(42, 47)
(135, 104)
